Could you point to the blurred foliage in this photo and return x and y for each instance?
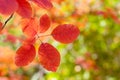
(95, 55)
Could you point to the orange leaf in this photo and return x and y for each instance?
(49, 57)
(44, 3)
(65, 33)
(30, 29)
(8, 6)
(24, 9)
(44, 23)
(24, 55)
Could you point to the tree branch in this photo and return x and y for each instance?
(7, 21)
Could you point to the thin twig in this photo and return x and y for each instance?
(7, 21)
(37, 37)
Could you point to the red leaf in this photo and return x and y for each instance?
(0, 26)
(65, 33)
(24, 9)
(49, 57)
(8, 6)
(44, 23)
(24, 55)
(30, 29)
(44, 3)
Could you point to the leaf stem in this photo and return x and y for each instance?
(7, 21)
(38, 37)
(44, 35)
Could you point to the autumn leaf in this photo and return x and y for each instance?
(44, 23)
(1, 26)
(24, 9)
(8, 6)
(44, 3)
(25, 54)
(65, 33)
(31, 27)
(49, 57)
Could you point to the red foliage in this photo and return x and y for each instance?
(8, 6)
(44, 23)
(24, 55)
(49, 56)
(44, 3)
(22, 7)
(65, 33)
(30, 29)
(1, 26)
